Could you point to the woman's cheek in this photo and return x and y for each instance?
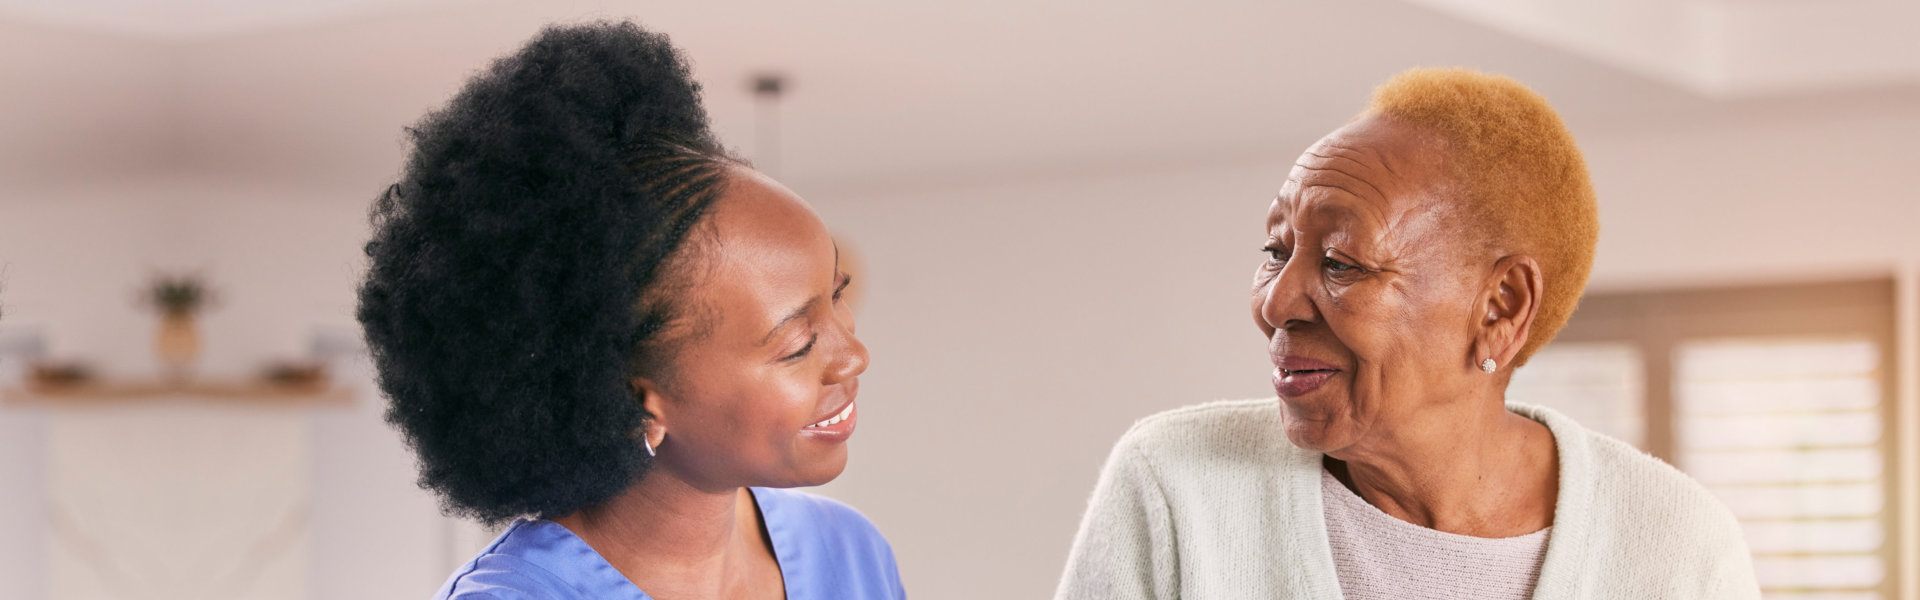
(793, 398)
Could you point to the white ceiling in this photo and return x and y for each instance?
(186, 19)
(883, 91)
(1724, 48)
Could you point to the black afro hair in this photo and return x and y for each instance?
(522, 268)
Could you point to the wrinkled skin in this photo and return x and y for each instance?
(1377, 285)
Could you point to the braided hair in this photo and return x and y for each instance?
(528, 264)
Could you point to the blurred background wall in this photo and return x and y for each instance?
(1059, 205)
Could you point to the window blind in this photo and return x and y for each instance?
(1788, 433)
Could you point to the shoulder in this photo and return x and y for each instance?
(823, 522)
(1628, 478)
(1229, 430)
(497, 574)
(1225, 420)
(1645, 502)
(839, 547)
(521, 565)
(830, 513)
(503, 577)
(1634, 487)
(1189, 457)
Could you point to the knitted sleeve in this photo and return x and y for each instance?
(1125, 548)
(1734, 577)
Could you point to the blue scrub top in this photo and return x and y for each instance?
(826, 551)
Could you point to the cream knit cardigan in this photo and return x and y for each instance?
(1211, 502)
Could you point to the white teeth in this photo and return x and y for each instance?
(844, 412)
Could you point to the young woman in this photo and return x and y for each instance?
(595, 323)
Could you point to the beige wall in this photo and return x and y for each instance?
(1018, 325)
(1019, 321)
(1759, 195)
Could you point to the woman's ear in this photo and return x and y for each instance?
(650, 396)
(1511, 300)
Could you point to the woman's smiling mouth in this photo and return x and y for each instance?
(835, 429)
(1295, 376)
(843, 415)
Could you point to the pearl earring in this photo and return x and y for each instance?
(1488, 365)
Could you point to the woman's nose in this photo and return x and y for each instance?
(1287, 301)
(853, 359)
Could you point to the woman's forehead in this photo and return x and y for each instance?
(1319, 206)
(1359, 178)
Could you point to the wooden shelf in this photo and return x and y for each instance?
(257, 393)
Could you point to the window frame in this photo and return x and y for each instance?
(1657, 322)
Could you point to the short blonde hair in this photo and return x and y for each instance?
(1520, 176)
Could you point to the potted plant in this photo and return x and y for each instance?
(178, 298)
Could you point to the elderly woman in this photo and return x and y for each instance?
(1413, 259)
(594, 322)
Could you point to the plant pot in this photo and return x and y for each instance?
(178, 345)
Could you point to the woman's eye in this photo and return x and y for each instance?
(1274, 255)
(1335, 266)
(803, 349)
(842, 288)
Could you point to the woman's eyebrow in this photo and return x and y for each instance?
(801, 310)
(798, 312)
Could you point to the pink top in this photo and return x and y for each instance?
(1379, 557)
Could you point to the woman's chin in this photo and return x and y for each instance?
(1315, 433)
(821, 470)
(1307, 438)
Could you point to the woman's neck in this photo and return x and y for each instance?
(1490, 473)
(676, 541)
